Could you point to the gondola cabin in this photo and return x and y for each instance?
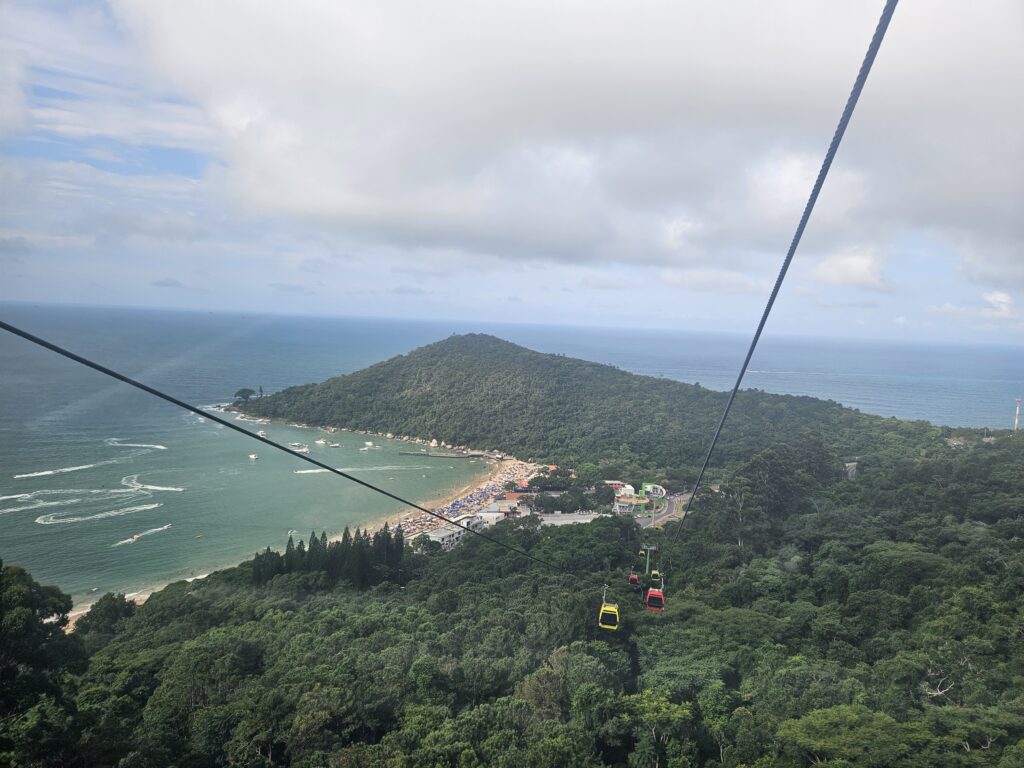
(634, 581)
(655, 578)
(655, 600)
(608, 618)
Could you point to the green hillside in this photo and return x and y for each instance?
(873, 622)
(811, 620)
(483, 392)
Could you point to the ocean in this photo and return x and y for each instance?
(105, 488)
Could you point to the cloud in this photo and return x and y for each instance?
(93, 85)
(995, 306)
(291, 288)
(715, 280)
(13, 105)
(167, 282)
(585, 146)
(856, 268)
(407, 133)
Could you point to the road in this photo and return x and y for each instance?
(674, 506)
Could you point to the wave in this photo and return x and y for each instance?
(137, 536)
(55, 518)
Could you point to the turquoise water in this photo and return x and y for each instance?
(86, 463)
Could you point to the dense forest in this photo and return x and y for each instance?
(486, 393)
(811, 620)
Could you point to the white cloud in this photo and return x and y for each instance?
(717, 281)
(96, 88)
(855, 268)
(995, 306)
(605, 142)
(13, 106)
(597, 133)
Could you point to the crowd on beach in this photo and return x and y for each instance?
(514, 471)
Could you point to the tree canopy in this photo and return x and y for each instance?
(811, 620)
(480, 391)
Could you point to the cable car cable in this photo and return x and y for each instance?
(837, 137)
(224, 422)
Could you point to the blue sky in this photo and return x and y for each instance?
(581, 163)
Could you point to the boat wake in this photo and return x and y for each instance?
(55, 518)
(357, 469)
(117, 442)
(87, 503)
(135, 537)
(63, 470)
(140, 449)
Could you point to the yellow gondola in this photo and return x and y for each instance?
(608, 617)
(655, 578)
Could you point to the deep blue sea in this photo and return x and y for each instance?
(87, 463)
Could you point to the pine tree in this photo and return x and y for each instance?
(398, 546)
(313, 559)
(289, 556)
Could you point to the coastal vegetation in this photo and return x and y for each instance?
(811, 620)
(815, 616)
(486, 393)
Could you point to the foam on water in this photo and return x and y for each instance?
(117, 442)
(357, 469)
(137, 536)
(39, 505)
(84, 501)
(63, 470)
(55, 518)
(113, 442)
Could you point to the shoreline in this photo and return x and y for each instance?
(473, 495)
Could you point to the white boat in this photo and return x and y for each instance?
(334, 445)
(295, 445)
(321, 441)
(303, 449)
(364, 449)
(253, 457)
(368, 444)
(262, 433)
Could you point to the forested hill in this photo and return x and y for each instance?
(872, 622)
(484, 392)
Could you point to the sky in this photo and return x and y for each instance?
(586, 162)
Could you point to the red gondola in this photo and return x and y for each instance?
(634, 581)
(655, 600)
